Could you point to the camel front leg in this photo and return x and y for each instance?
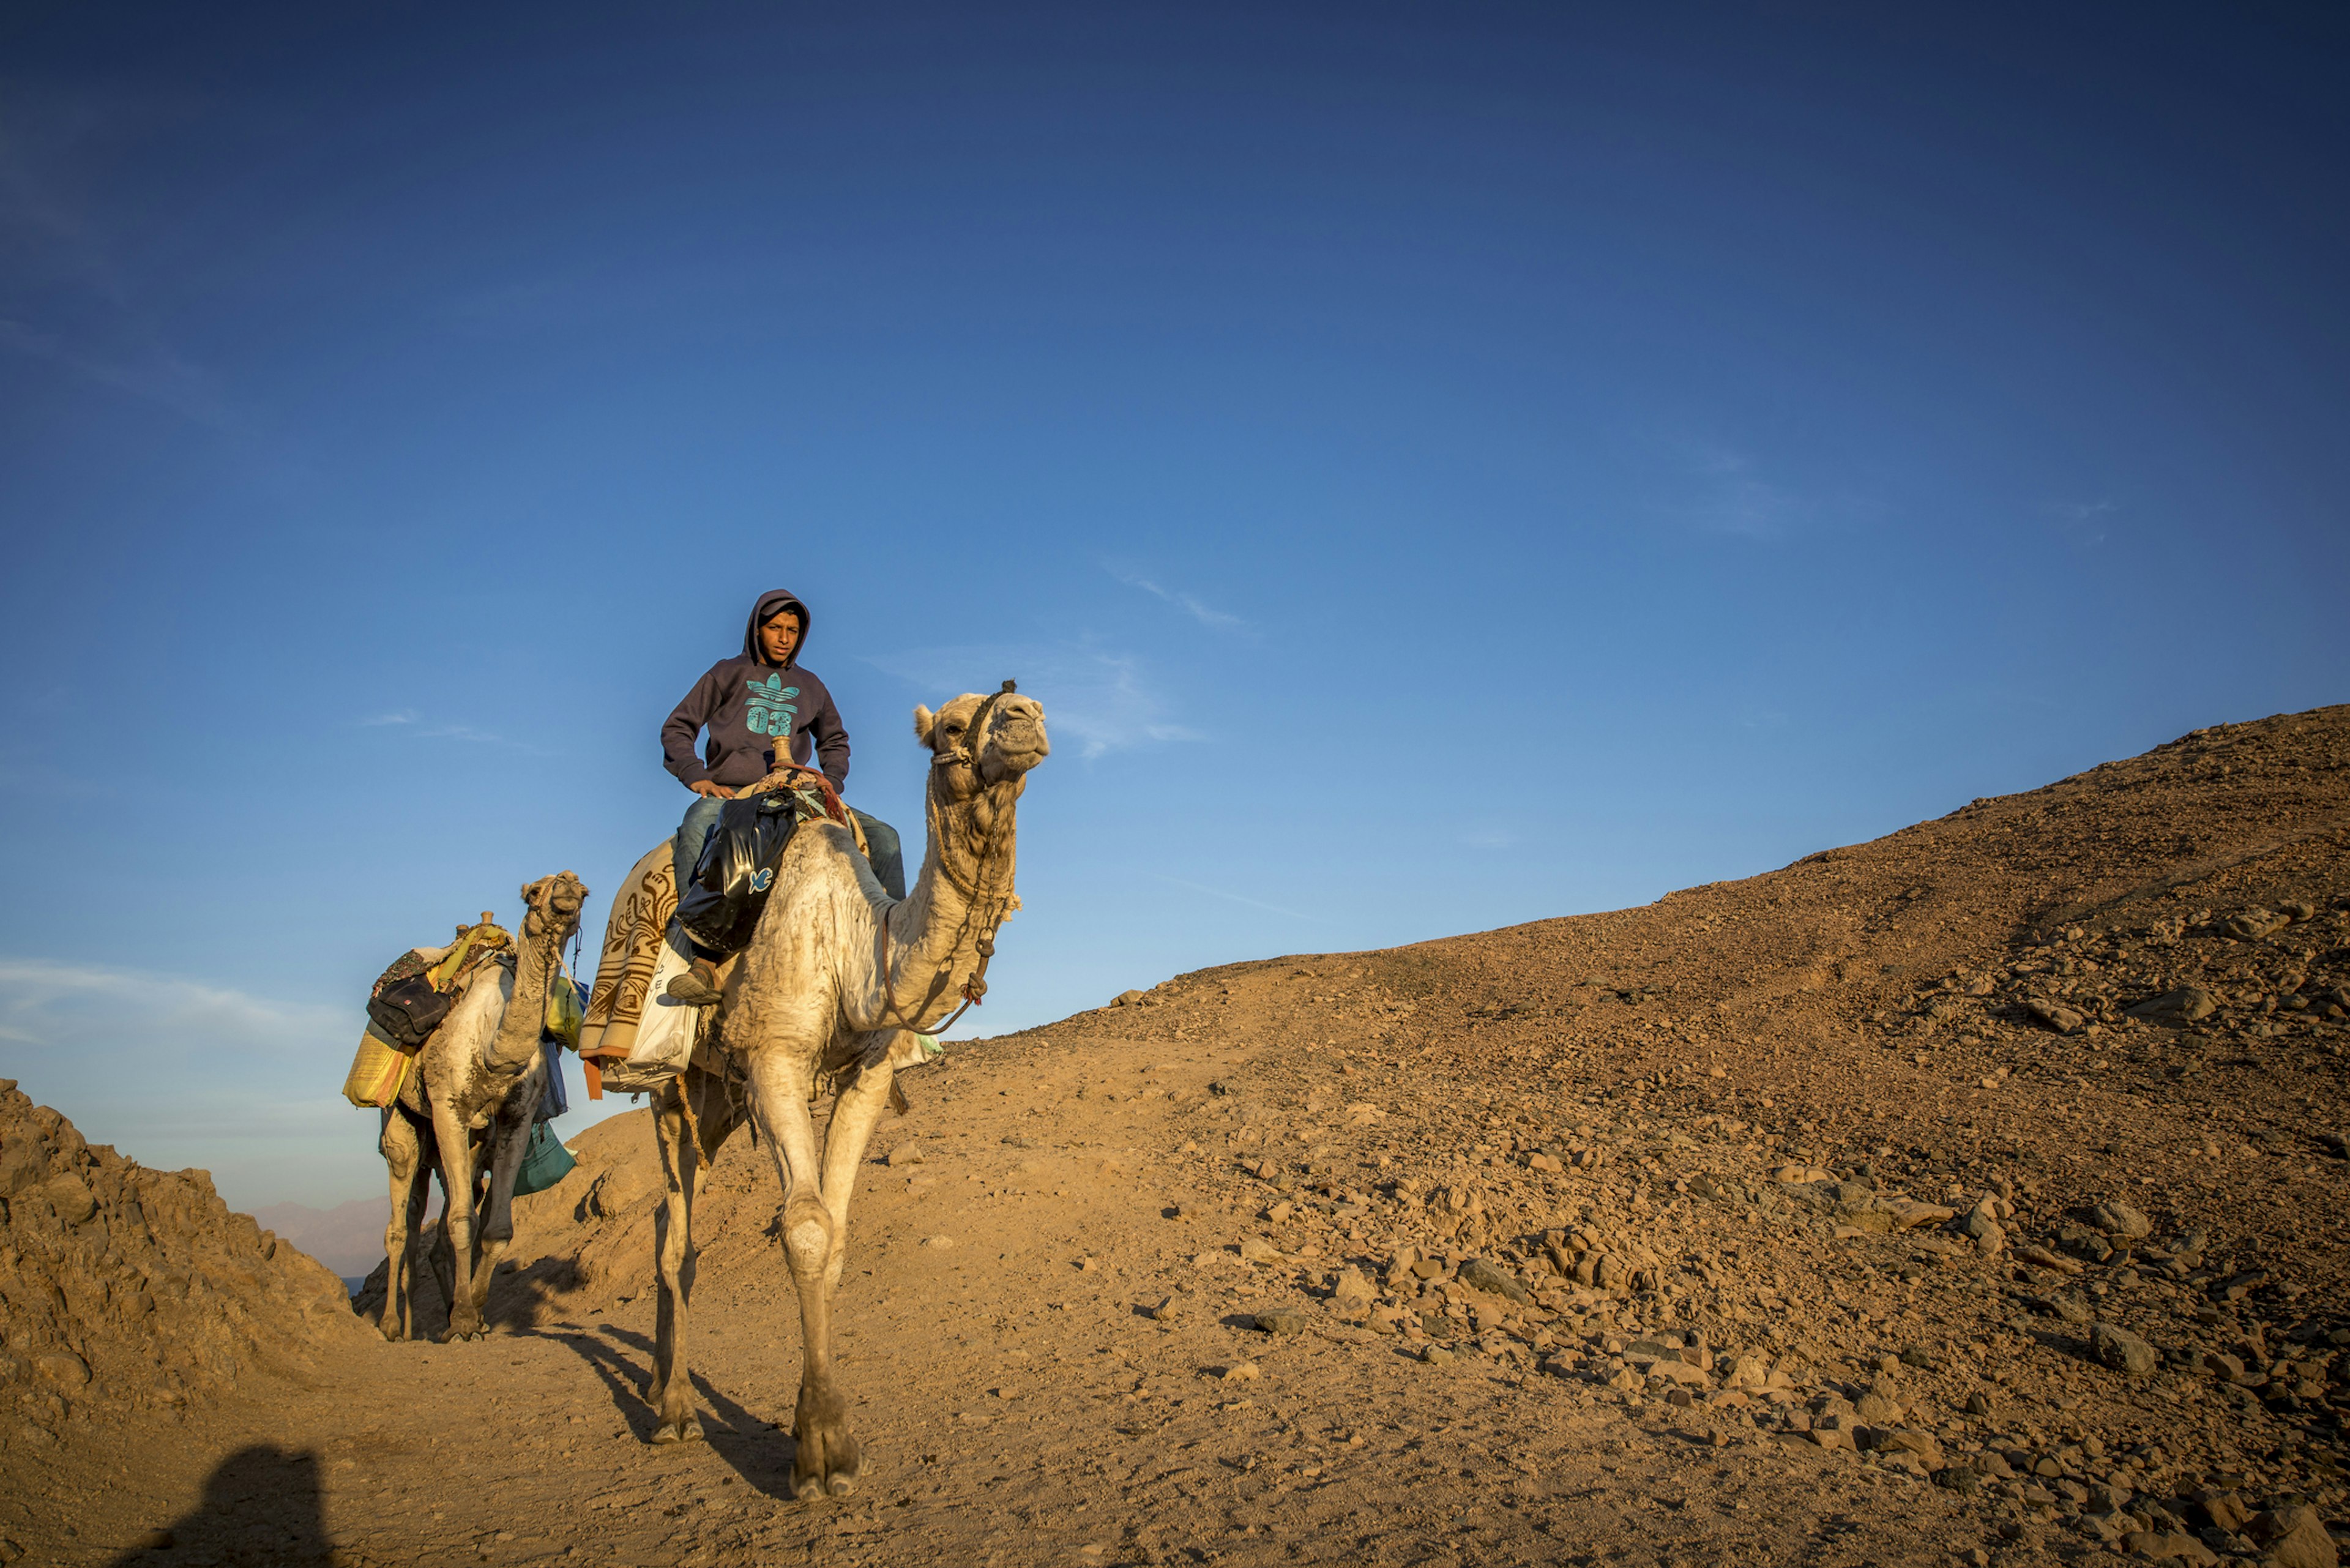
(826, 1457)
(671, 1393)
(494, 1233)
(457, 1222)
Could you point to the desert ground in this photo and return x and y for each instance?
(1973, 1195)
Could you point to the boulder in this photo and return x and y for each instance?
(2122, 1350)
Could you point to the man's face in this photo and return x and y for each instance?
(779, 635)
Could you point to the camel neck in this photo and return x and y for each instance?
(936, 931)
(515, 1044)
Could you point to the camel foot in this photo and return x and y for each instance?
(827, 1460)
(686, 1431)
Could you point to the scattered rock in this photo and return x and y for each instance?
(2055, 1015)
(2168, 1546)
(1282, 1322)
(2122, 1350)
(1165, 1310)
(2253, 925)
(1257, 1250)
(1482, 1274)
(905, 1154)
(2293, 1537)
(2189, 1004)
(1437, 1355)
(2043, 1258)
(2118, 1219)
(1352, 1294)
(940, 1242)
(1241, 1372)
(1881, 1406)
(1126, 999)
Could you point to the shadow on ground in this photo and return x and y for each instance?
(261, 1504)
(757, 1450)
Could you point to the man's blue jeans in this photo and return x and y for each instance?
(889, 858)
(700, 822)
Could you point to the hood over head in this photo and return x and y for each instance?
(769, 603)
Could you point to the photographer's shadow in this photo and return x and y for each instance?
(261, 1504)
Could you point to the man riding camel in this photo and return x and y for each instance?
(746, 704)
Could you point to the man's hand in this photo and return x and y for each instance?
(714, 790)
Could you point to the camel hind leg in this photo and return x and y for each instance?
(692, 1120)
(406, 1162)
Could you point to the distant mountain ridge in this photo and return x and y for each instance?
(347, 1237)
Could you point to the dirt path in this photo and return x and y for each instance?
(1016, 1405)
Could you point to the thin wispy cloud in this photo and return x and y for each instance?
(180, 1072)
(408, 721)
(51, 1006)
(1205, 615)
(151, 372)
(1232, 898)
(2081, 521)
(1731, 497)
(1103, 699)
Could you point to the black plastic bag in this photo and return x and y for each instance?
(719, 907)
(406, 1012)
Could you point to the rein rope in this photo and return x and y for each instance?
(980, 892)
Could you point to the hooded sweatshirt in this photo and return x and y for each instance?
(747, 703)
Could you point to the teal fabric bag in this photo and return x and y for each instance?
(544, 1163)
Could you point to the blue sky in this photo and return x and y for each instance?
(1438, 467)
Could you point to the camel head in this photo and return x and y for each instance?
(1012, 740)
(553, 906)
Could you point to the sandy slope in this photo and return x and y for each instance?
(1829, 1145)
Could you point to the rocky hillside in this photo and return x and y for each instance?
(129, 1293)
(2002, 1157)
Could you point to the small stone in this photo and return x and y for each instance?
(62, 1367)
(2122, 1350)
(2062, 1019)
(1437, 1355)
(2189, 1004)
(1879, 1406)
(1903, 1441)
(2253, 925)
(1352, 1294)
(1241, 1372)
(1282, 1322)
(1257, 1250)
(2171, 1546)
(904, 1154)
(2118, 1218)
(1481, 1275)
(2223, 1511)
(1165, 1310)
(940, 1242)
